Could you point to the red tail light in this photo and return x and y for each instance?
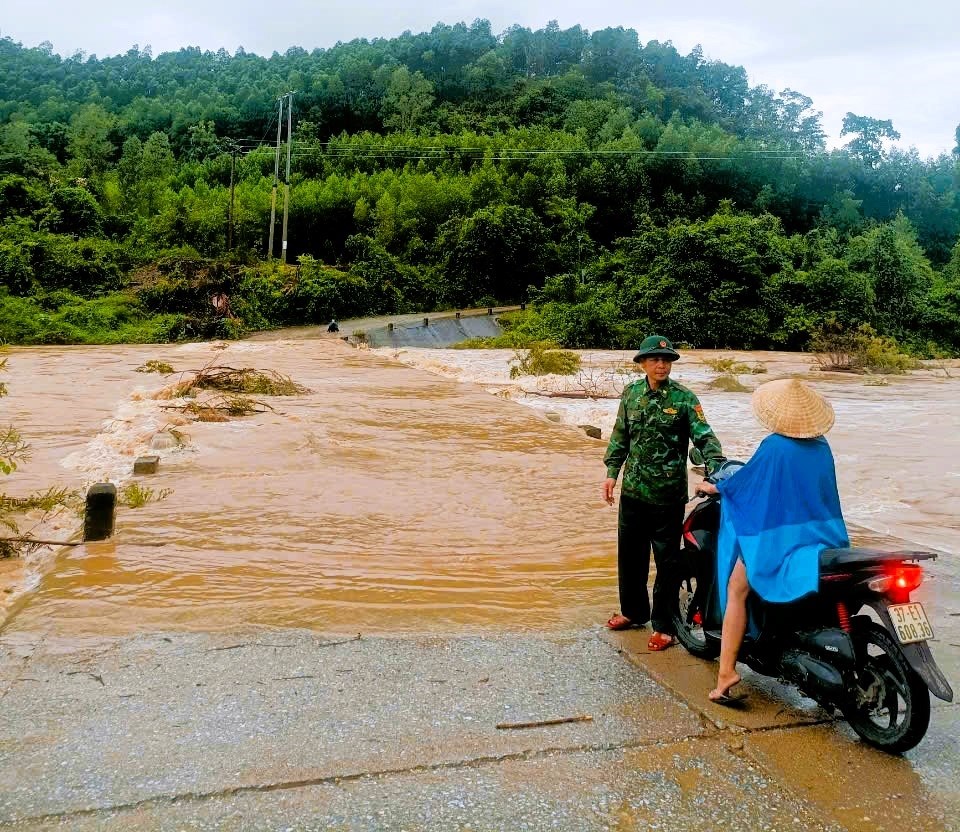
(906, 577)
(688, 535)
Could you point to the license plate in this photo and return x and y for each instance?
(910, 623)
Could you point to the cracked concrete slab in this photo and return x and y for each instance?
(193, 714)
(665, 786)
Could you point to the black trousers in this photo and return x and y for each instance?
(640, 528)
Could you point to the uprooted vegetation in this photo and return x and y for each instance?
(590, 382)
(730, 366)
(221, 393)
(231, 380)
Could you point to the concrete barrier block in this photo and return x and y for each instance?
(100, 511)
(146, 464)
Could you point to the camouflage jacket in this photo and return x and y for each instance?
(652, 435)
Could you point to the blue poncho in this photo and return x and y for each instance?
(777, 513)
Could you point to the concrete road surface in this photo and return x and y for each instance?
(288, 729)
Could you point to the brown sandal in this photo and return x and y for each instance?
(660, 641)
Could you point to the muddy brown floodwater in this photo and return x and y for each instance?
(390, 499)
(386, 500)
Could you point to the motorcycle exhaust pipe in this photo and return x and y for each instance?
(811, 674)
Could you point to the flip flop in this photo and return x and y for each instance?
(726, 698)
(660, 641)
(620, 622)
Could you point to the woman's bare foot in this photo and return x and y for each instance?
(722, 693)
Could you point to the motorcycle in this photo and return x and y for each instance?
(877, 670)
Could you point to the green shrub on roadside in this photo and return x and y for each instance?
(510, 340)
(542, 358)
(861, 350)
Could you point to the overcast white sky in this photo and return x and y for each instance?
(897, 59)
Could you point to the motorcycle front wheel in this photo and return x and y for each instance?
(889, 704)
(688, 623)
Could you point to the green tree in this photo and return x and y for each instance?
(408, 99)
(89, 144)
(869, 135)
(900, 275)
(495, 252)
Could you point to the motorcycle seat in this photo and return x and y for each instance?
(837, 558)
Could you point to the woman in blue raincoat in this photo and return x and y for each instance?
(777, 513)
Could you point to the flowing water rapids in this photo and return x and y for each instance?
(409, 491)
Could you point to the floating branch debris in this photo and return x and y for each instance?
(220, 408)
(245, 380)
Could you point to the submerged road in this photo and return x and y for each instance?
(133, 695)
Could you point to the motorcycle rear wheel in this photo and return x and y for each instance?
(889, 705)
(687, 623)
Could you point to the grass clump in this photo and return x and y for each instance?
(543, 358)
(509, 340)
(154, 366)
(728, 365)
(134, 495)
(728, 383)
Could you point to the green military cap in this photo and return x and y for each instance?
(656, 345)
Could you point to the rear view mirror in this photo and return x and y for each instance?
(696, 458)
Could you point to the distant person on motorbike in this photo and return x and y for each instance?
(656, 422)
(333, 326)
(777, 513)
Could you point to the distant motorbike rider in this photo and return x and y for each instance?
(333, 326)
(656, 422)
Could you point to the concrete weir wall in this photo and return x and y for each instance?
(438, 332)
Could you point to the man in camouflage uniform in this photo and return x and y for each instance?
(657, 420)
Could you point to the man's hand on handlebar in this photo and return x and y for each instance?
(706, 488)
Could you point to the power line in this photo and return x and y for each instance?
(333, 150)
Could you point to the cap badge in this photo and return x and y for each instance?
(663, 343)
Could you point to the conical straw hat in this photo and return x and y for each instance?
(788, 407)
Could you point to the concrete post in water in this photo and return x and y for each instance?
(426, 322)
(146, 464)
(100, 511)
(522, 306)
(489, 310)
(458, 316)
(390, 327)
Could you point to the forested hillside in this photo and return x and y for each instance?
(618, 186)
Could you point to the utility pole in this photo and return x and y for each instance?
(276, 175)
(233, 167)
(286, 186)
